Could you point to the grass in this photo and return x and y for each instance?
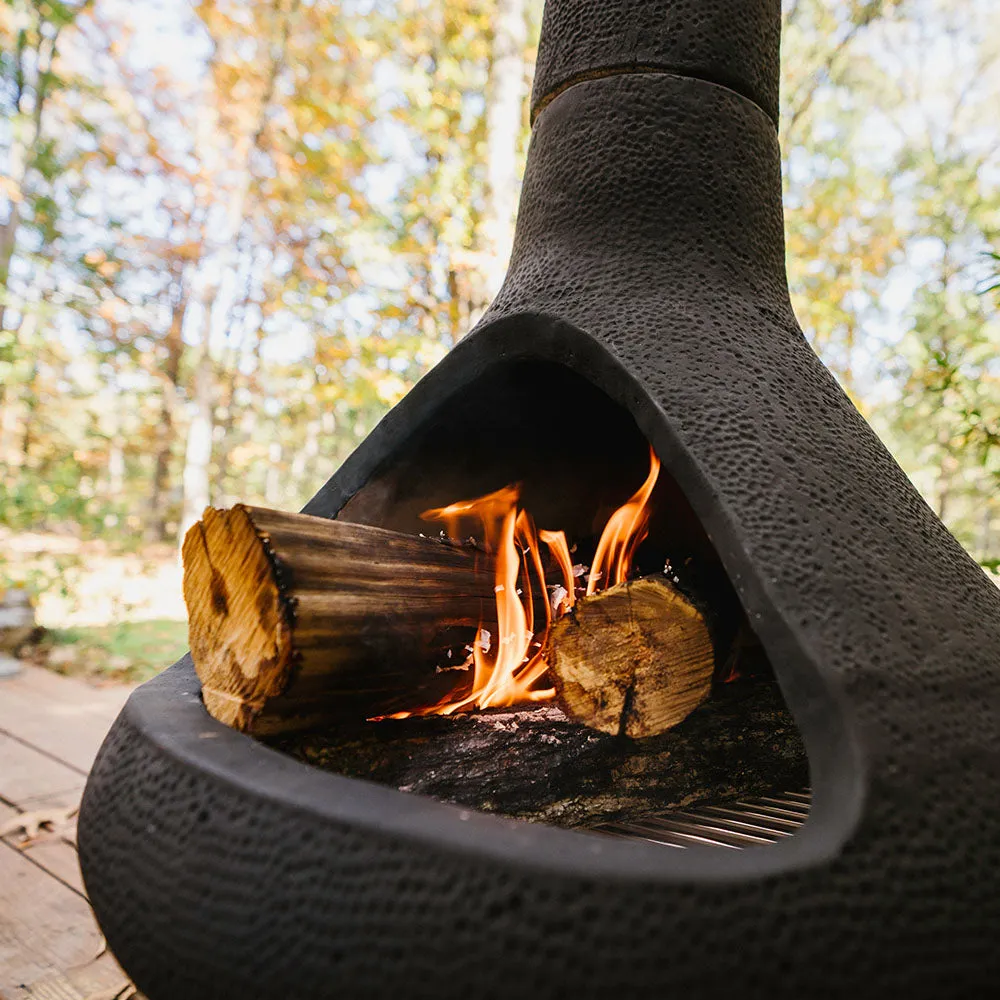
(126, 651)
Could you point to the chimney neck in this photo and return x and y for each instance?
(733, 43)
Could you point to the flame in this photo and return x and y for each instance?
(622, 535)
(556, 541)
(490, 510)
(506, 671)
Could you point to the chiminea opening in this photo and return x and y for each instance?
(577, 698)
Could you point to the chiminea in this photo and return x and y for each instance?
(646, 296)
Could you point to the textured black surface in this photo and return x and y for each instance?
(730, 42)
(649, 259)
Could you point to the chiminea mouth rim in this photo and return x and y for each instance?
(169, 711)
(168, 714)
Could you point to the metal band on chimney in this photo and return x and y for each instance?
(733, 43)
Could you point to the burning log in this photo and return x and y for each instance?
(533, 763)
(297, 620)
(633, 660)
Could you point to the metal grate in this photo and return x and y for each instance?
(734, 825)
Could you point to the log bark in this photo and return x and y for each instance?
(633, 660)
(535, 764)
(298, 620)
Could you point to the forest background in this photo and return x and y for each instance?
(234, 232)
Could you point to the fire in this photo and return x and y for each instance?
(507, 668)
(558, 546)
(622, 535)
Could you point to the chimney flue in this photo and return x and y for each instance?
(733, 43)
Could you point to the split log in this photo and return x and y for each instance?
(297, 620)
(534, 764)
(632, 660)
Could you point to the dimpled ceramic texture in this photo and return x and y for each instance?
(730, 42)
(649, 258)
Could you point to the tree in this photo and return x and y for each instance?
(504, 125)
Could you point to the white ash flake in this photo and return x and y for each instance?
(510, 721)
(451, 667)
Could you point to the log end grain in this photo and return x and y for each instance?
(239, 621)
(633, 660)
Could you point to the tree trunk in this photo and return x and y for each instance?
(8, 241)
(198, 452)
(10, 455)
(272, 480)
(986, 526)
(18, 399)
(116, 468)
(30, 405)
(157, 516)
(504, 116)
(304, 463)
(22, 149)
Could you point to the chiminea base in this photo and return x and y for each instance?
(223, 868)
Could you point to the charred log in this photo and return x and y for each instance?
(535, 764)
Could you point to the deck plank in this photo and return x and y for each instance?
(50, 945)
(30, 779)
(64, 717)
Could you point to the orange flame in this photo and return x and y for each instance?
(556, 541)
(506, 670)
(622, 535)
(490, 510)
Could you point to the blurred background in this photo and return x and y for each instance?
(234, 232)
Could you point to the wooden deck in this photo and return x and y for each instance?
(50, 944)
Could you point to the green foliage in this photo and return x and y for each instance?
(992, 281)
(49, 575)
(32, 502)
(125, 651)
(269, 220)
(891, 194)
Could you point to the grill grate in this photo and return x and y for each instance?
(733, 825)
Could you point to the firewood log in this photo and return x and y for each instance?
(633, 660)
(296, 620)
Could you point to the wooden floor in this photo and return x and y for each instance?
(50, 944)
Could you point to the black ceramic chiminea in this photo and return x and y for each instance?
(647, 284)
